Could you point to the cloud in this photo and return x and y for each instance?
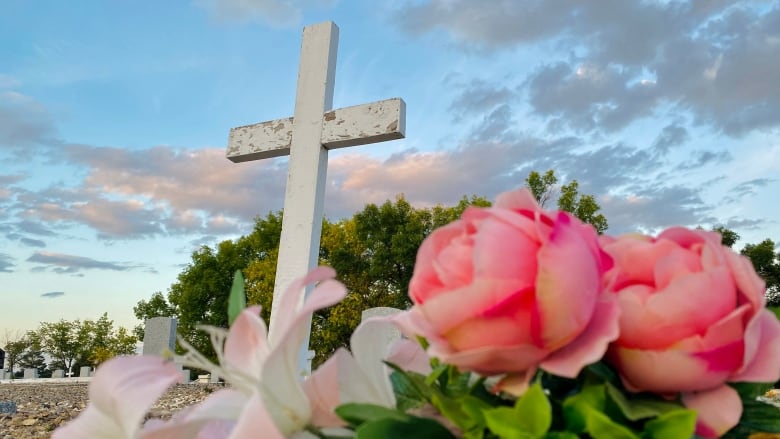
(128, 194)
(6, 263)
(53, 294)
(278, 13)
(479, 96)
(23, 122)
(63, 263)
(702, 158)
(670, 136)
(749, 187)
(609, 64)
(7, 82)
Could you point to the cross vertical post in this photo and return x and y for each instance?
(306, 137)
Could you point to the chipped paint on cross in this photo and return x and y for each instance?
(351, 126)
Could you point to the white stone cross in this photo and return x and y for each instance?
(307, 137)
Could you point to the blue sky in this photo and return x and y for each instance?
(114, 118)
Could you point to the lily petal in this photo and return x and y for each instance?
(120, 394)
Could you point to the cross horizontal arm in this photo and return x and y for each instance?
(359, 125)
(363, 124)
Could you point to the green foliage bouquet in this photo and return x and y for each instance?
(525, 324)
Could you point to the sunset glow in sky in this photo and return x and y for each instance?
(114, 118)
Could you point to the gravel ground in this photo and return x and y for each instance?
(43, 407)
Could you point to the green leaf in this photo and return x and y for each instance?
(584, 413)
(358, 414)
(635, 408)
(412, 383)
(679, 423)
(237, 300)
(411, 428)
(535, 411)
(406, 394)
(757, 416)
(600, 426)
(531, 416)
(503, 422)
(561, 435)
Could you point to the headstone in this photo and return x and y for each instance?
(307, 137)
(213, 378)
(85, 372)
(185, 376)
(2, 374)
(31, 373)
(383, 311)
(59, 373)
(203, 379)
(159, 335)
(7, 407)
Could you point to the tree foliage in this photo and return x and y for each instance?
(14, 344)
(373, 253)
(766, 262)
(75, 343)
(583, 206)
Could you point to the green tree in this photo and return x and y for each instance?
(767, 264)
(32, 357)
(542, 186)
(727, 237)
(63, 341)
(104, 341)
(582, 206)
(14, 344)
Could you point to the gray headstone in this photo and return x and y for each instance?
(213, 378)
(2, 374)
(383, 311)
(85, 372)
(30, 374)
(159, 335)
(8, 407)
(185, 376)
(59, 373)
(379, 311)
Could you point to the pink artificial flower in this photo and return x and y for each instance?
(692, 318)
(122, 391)
(507, 289)
(267, 396)
(362, 377)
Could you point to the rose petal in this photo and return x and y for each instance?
(762, 350)
(718, 410)
(570, 288)
(590, 346)
(668, 371)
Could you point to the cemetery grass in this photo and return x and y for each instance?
(41, 408)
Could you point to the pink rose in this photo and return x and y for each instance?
(511, 288)
(692, 318)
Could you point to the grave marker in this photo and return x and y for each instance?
(7, 407)
(307, 137)
(159, 335)
(31, 374)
